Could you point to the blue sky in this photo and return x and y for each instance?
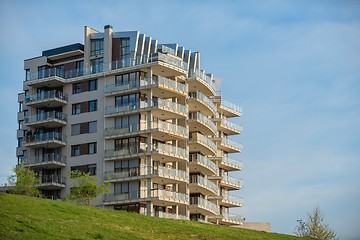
(294, 67)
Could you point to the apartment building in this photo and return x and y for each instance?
(138, 114)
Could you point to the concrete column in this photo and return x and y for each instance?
(108, 30)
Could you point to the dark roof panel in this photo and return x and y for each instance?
(64, 49)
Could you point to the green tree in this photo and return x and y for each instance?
(25, 182)
(315, 227)
(84, 188)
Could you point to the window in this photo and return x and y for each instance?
(42, 73)
(59, 71)
(76, 108)
(97, 47)
(91, 168)
(27, 75)
(96, 65)
(81, 128)
(92, 148)
(92, 127)
(92, 105)
(75, 150)
(26, 114)
(20, 106)
(79, 68)
(93, 85)
(75, 129)
(20, 142)
(20, 124)
(27, 95)
(76, 88)
(125, 48)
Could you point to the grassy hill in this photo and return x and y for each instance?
(34, 218)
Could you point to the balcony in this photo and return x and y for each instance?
(51, 119)
(199, 122)
(199, 102)
(202, 82)
(127, 152)
(169, 215)
(161, 130)
(156, 196)
(231, 183)
(230, 109)
(199, 184)
(230, 146)
(231, 219)
(230, 164)
(199, 163)
(49, 161)
(158, 174)
(50, 77)
(160, 152)
(161, 108)
(202, 206)
(168, 65)
(164, 87)
(49, 140)
(232, 201)
(51, 182)
(200, 143)
(229, 127)
(53, 98)
(167, 153)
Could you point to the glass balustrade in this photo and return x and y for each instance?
(47, 95)
(231, 106)
(231, 143)
(195, 157)
(46, 116)
(203, 119)
(44, 158)
(40, 137)
(204, 182)
(204, 204)
(227, 124)
(204, 99)
(203, 77)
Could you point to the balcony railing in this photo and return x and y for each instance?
(204, 204)
(122, 63)
(232, 162)
(52, 179)
(128, 107)
(153, 193)
(204, 99)
(171, 106)
(50, 136)
(47, 95)
(203, 77)
(231, 143)
(232, 217)
(195, 136)
(144, 171)
(231, 125)
(200, 159)
(46, 116)
(45, 158)
(233, 107)
(156, 81)
(203, 181)
(169, 215)
(203, 119)
(171, 150)
(130, 150)
(233, 199)
(232, 181)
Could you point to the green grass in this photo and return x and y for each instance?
(34, 218)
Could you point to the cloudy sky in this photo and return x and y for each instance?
(294, 67)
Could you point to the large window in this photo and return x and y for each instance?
(91, 168)
(125, 48)
(84, 107)
(131, 100)
(96, 65)
(97, 47)
(83, 149)
(81, 128)
(91, 85)
(132, 79)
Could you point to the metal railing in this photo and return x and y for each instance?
(103, 67)
(203, 119)
(205, 78)
(204, 204)
(47, 95)
(233, 199)
(231, 125)
(232, 181)
(40, 137)
(44, 158)
(231, 143)
(195, 136)
(171, 150)
(232, 162)
(153, 193)
(204, 182)
(233, 107)
(45, 116)
(232, 217)
(204, 99)
(52, 179)
(200, 159)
